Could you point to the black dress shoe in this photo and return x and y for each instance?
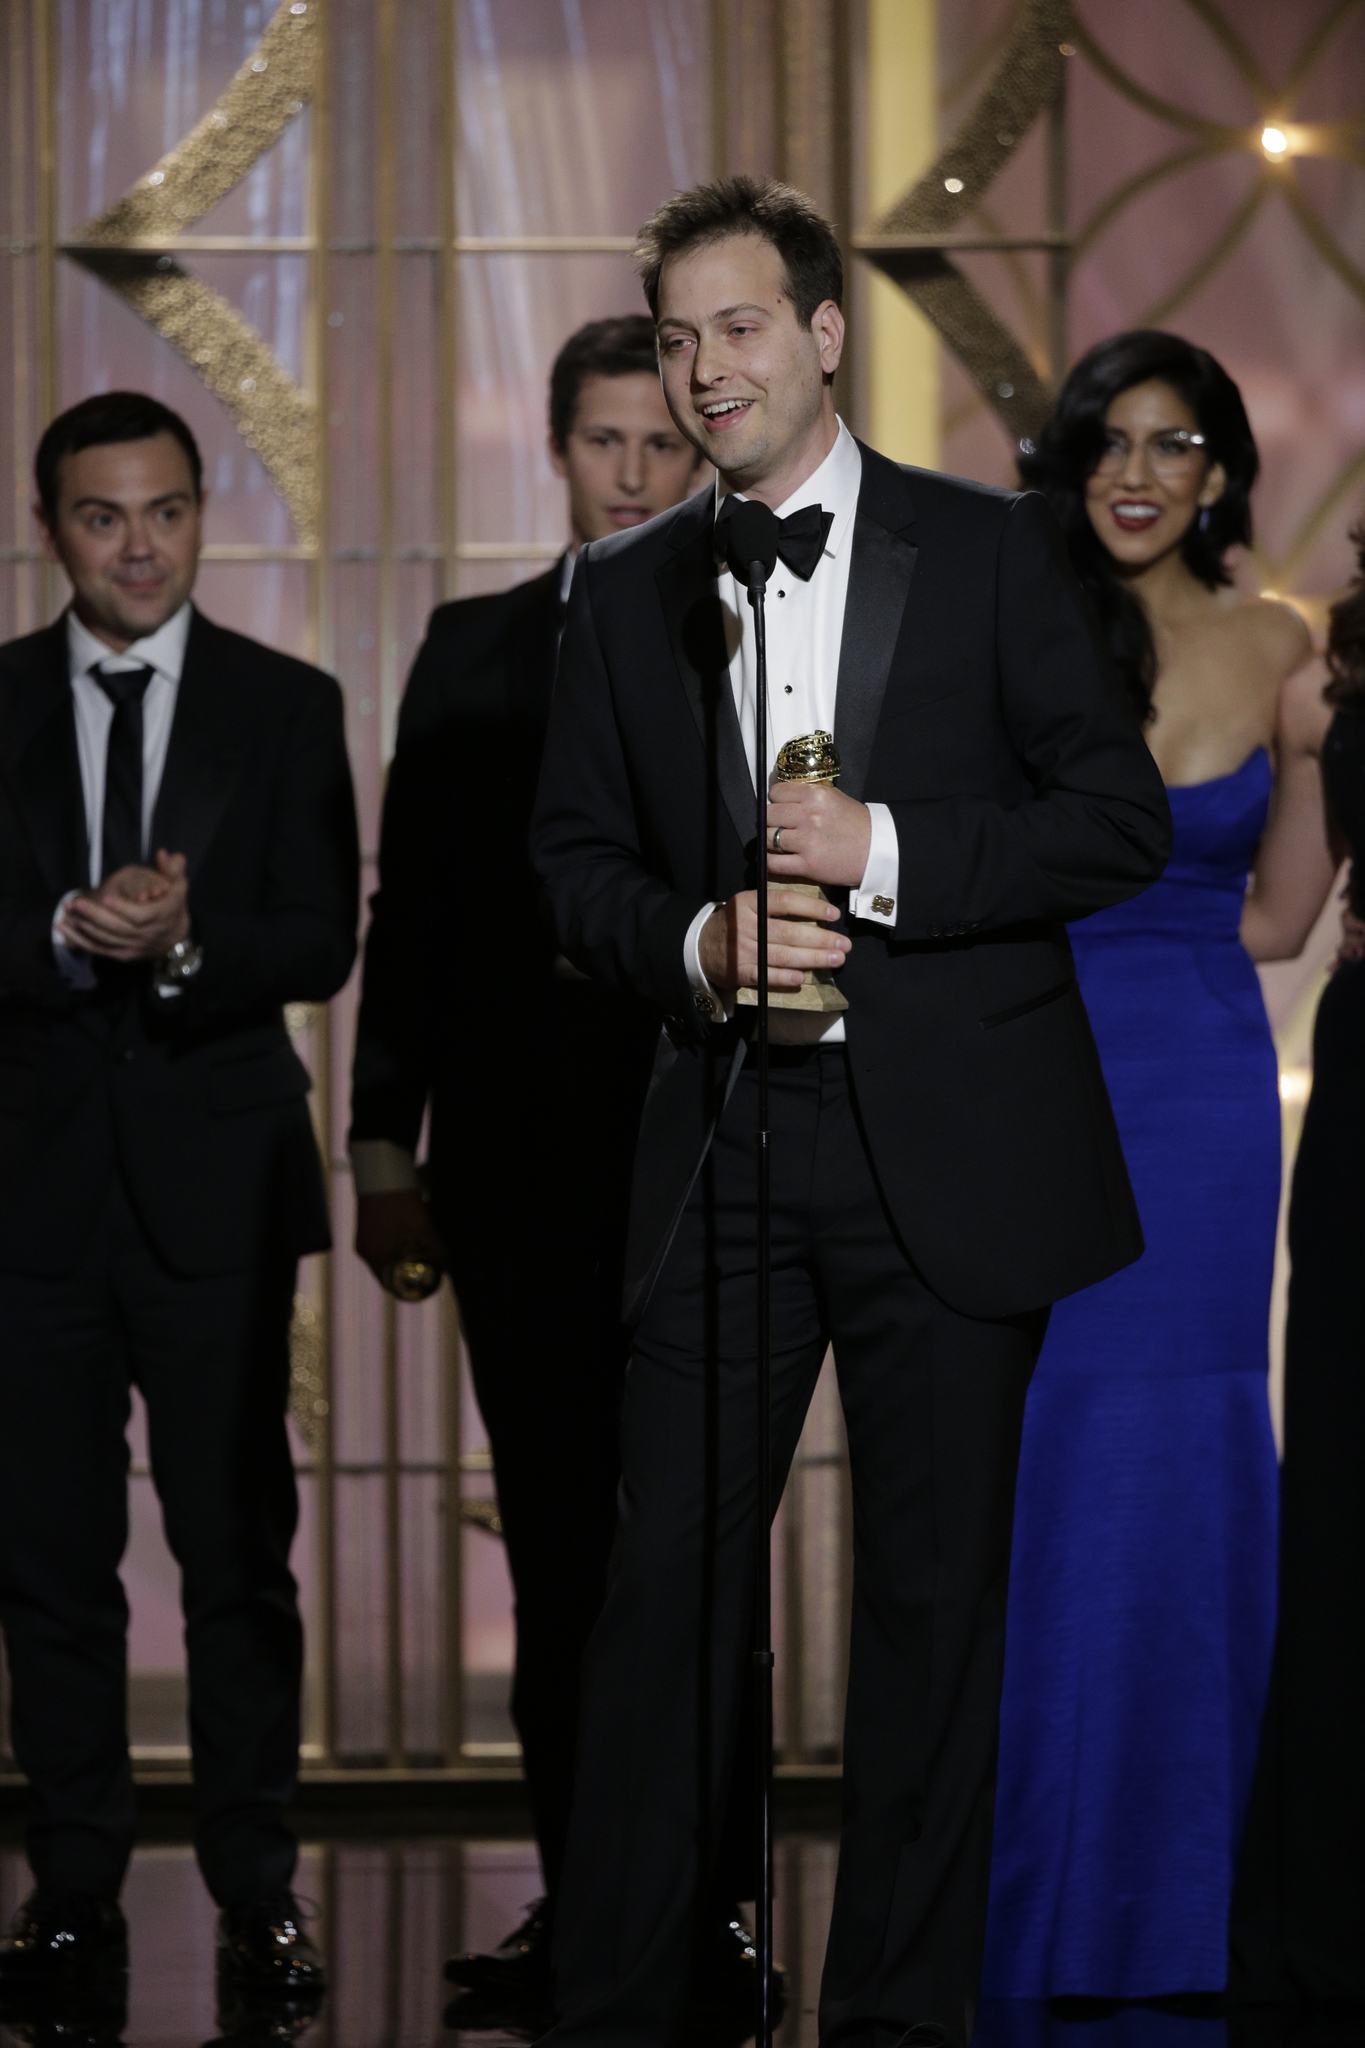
(521, 1963)
(59, 1942)
(265, 1950)
(724, 1992)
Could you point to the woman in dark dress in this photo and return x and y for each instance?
(1299, 1916)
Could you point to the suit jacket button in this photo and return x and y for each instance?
(126, 1056)
(934, 932)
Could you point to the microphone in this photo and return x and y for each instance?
(751, 534)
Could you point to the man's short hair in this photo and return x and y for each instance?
(107, 417)
(620, 347)
(742, 205)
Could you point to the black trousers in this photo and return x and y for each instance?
(934, 1405)
(531, 1195)
(210, 1356)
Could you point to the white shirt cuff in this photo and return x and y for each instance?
(76, 969)
(710, 1003)
(875, 896)
(382, 1168)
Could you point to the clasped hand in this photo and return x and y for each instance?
(823, 836)
(136, 913)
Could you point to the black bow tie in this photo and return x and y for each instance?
(801, 537)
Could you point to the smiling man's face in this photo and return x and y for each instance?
(127, 529)
(624, 460)
(745, 380)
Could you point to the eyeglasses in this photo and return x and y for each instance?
(1172, 452)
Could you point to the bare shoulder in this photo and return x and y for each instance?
(1276, 632)
(1303, 714)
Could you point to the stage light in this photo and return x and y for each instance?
(1274, 141)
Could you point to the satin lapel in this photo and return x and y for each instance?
(44, 768)
(205, 753)
(878, 587)
(693, 615)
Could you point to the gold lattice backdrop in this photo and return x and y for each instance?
(120, 246)
(1211, 183)
(1281, 117)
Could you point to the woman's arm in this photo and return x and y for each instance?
(1297, 861)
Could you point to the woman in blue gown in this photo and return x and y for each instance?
(1142, 1587)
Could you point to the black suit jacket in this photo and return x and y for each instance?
(976, 699)
(462, 992)
(199, 1097)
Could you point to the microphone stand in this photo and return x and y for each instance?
(763, 1592)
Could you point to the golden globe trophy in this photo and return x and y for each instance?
(412, 1275)
(810, 758)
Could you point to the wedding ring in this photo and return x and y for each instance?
(777, 839)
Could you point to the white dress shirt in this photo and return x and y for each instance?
(805, 622)
(164, 653)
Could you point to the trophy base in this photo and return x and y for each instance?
(817, 990)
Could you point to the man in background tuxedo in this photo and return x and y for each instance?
(534, 1077)
(944, 1160)
(178, 860)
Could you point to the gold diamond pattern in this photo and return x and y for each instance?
(1026, 78)
(1024, 84)
(273, 414)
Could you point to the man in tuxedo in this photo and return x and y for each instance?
(178, 859)
(533, 1076)
(944, 1159)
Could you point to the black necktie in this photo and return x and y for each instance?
(122, 846)
(801, 537)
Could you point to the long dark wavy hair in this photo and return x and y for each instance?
(1071, 445)
(1346, 637)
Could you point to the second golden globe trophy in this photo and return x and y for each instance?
(811, 758)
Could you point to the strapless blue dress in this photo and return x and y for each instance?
(1142, 1586)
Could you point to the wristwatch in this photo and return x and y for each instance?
(178, 964)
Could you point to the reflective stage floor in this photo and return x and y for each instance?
(391, 1908)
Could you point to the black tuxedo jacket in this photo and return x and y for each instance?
(460, 955)
(199, 1098)
(976, 699)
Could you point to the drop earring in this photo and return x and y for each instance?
(1204, 519)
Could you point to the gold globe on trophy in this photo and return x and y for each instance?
(810, 758)
(412, 1275)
